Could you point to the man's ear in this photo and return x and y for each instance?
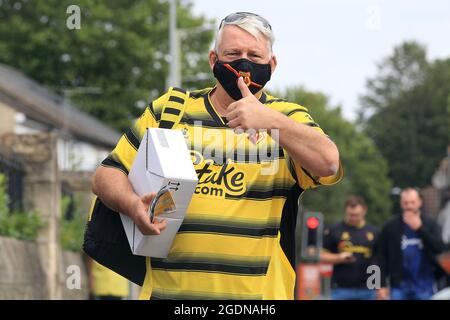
(273, 63)
(212, 58)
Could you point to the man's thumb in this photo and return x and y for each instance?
(147, 199)
(245, 91)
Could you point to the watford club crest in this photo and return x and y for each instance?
(345, 236)
(369, 236)
(257, 138)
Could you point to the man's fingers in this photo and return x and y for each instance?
(232, 106)
(234, 123)
(160, 224)
(147, 228)
(245, 91)
(147, 199)
(232, 115)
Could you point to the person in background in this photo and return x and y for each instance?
(349, 245)
(441, 181)
(105, 284)
(408, 246)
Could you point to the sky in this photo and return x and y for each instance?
(333, 46)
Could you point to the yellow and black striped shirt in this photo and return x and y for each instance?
(237, 240)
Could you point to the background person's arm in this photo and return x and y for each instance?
(114, 189)
(430, 233)
(336, 258)
(381, 252)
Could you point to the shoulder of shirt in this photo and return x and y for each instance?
(337, 227)
(393, 222)
(200, 93)
(426, 219)
(284, 106)
(157, 105)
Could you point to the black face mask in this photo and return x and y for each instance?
(255, 76)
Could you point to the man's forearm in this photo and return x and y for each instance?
(308, 147)
(328, 257)
(113, 188)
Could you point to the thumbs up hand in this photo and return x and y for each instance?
(249, 113)
(245, 91)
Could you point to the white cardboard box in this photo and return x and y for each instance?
(163, 159)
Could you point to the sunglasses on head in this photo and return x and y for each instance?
(241, 15)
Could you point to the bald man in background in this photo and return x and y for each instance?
(408, 246)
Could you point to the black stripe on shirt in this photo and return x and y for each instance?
(151, 110)
(251, 232)
(311, 124)
(310, 176)
(241, 156)
(261, 195)
(172, 111)
(161, 294)
(291, 112)
(274, 100)
(191, 266)
(110, 162)
(176, 99)
(132, 139)
(164, 124)
(179, 90)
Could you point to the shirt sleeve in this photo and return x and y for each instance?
(122, 156)
(305, 179)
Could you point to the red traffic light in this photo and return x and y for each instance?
(312, 223)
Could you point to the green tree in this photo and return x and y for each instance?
(121, 48)
(405, 112)
(364, 167)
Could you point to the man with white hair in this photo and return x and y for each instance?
(254, 155)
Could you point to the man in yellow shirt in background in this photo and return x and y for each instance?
(105, 284)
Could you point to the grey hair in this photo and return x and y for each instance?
(251, 24)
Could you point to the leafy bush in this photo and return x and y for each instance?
(71, 231)
(19, 225)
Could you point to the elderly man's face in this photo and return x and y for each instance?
(236, 43)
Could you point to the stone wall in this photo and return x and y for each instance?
(41, 264)
(7, 121)
(69, 260)
(79, 183)
(22, 273)
(42, 192)
(39, 270)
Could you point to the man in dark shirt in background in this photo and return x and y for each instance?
(348, 245)
(409, 244)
